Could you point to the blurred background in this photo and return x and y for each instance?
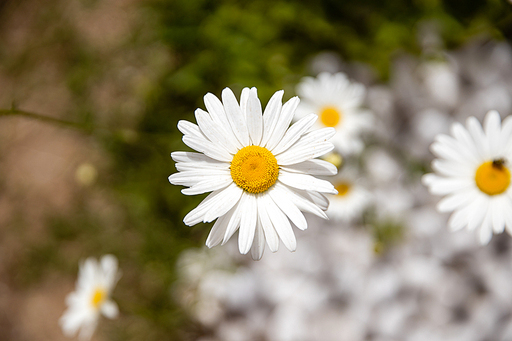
(90, 95)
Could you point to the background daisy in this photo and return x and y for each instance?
(91, 297)
(258, 169)
(472, 171)
(352, 197)
(337, 102)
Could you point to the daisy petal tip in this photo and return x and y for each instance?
(244, 249)
(427, 179)
(492, 112)
(484, 237)
(227, 92)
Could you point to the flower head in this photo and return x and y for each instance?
(258, 168)
(473, 173)
(91, 297)
(337, 102)
(352, 197)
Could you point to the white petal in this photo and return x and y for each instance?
(442, 186)
(227, 198)
(254, 117)
(282, 226)
(318, 198)
(304, 204)
(243, 101)
(449, 148)
(454, 201)
(191, 157)
(506, 132)
(87, 273)
(109, 309)
(208, 148)
(234, 222)
(485, 233)
(271, 115)
(283, 122)
(476, 211)
(313, 167)
(109, 268)
(461, 217)
(219, 229)
(316, 136)
(218, 114)
(462, 135)
(298, 154)
(497, 208)
(293, 134)
(72, 320)
(205, 166)
(492, 125)
(452, 169)
(270, 232)
(189, 129)
(197, 214)
(235, 117)
(258, 245)
(507, 214)
(457, 220)
(279, 195)
(481, 142)
(212, 184)
(248, 224)
(306, 182)
(213, 132)
(87, 329)
(190, 178)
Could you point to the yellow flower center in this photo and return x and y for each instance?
(98, 298)
(343, 188)
(330, 116)
(254, 169)
(492, 177)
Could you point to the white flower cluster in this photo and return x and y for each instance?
(434, 284)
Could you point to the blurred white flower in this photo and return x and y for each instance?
(91, 297)
(337, 102)
(441, 82)
(258, 168)
(472, 172)
(352, 197)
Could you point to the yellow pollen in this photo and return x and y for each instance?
(492, 177)
(99, 296)
(343, 188)
(330, 116)
(254, 169)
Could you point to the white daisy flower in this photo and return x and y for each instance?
(473, 173)
(352, 197)
(91, 297)
(258, 168)
(337, 102)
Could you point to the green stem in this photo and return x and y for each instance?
(15, 112)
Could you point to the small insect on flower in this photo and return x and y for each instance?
(472, 172)
(338, 103)
(258, 168)
(91, 297)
